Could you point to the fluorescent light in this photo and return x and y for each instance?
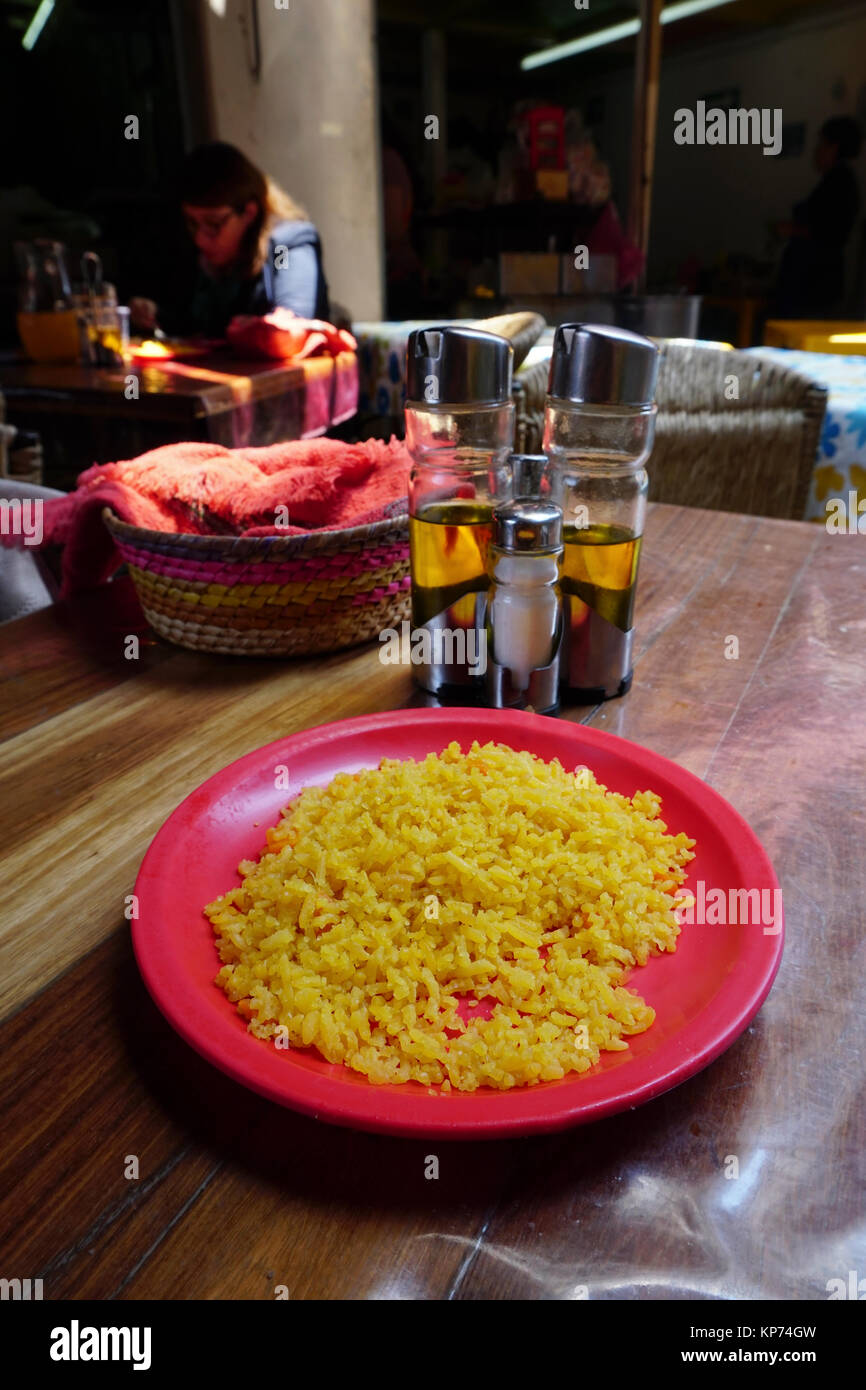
(37, 24)
(685, 8)
(682, 10)
(575, 46)
(848, 337)
(569, 50)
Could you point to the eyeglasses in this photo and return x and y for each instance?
(211, 226)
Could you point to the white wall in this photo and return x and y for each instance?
(712, 199)
(311, 122)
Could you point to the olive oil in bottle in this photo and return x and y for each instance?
(460, 433)
(448, 543)
(599, 567)
(599, 422)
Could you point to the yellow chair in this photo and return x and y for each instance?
(801, 333)
(848, 344)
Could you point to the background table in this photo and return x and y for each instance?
(236, 1195)
(86, 416)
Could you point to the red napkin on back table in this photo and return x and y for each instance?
(205, 489)
(283, 334)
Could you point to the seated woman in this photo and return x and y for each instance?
(258, 250)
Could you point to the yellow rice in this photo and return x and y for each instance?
(384, 898)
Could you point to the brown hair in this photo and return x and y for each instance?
(218, 175)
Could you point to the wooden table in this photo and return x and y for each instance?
(235, 1195)
(96, 416)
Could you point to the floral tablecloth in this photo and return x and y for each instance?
(840, 466)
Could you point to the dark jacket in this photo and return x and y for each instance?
(292, 277)
(811, 281)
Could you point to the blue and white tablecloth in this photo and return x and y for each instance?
(840, 465)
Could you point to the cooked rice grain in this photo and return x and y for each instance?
(388, 896)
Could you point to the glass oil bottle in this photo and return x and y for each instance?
(460, 433)
(598, 433)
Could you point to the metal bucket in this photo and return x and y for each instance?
(660, 315)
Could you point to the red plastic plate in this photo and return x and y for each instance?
(704, 995)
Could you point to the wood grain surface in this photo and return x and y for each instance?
(236, 1196)
(179, 390)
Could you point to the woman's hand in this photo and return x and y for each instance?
(142, 315)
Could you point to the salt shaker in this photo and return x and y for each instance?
(524, 609)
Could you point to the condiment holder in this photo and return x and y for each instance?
(536, 555)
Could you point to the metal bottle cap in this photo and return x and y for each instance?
(528, 472)
(597, 364)
(525, 526)
(450, 366)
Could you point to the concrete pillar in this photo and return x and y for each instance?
(310, 120)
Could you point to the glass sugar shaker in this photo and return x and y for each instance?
(460, 433)
(599, 426)
(524, 609)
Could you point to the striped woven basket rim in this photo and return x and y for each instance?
(247, 546)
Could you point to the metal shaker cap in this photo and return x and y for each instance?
(451, 366)
(526, 525)
(597, 364)
(528, 472)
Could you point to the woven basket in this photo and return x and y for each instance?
(269, 595)
(530, 395)
(282, 596)
(754, 452)
(522, 329)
